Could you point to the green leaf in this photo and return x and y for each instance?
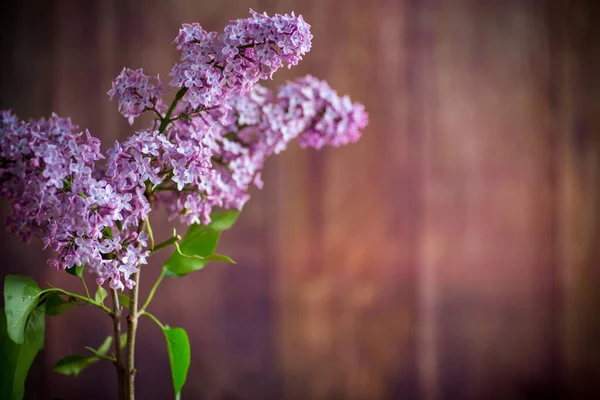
(56, 305)
(179, 356)
(100, 295)
(20, 298)
(220, 257)
(124, 300)
(74, 364)
(17, 358)
(104, 347)
(77, 270)
(178, 346)
(200, 241)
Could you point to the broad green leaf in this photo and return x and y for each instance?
(20, 299)
(74, 364)
(17, 358)
(77, 270)
(199, 241)
(124, 300)
(56, 305)
(100, 295)
(179, 356)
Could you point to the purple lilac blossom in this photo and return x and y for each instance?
(206, 152)
(318, 115)
(214, 67)
(136, 93)
(254, 127)
(47, 174)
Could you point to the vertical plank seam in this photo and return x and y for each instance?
(421, 47)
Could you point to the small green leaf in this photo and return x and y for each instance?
(77, 270)
(21, 295)
(179, 356)
(74, 364)
(199, 243)
(17, 358)
(104, 347)
(100, 295)
(124, 300)
(56, 305)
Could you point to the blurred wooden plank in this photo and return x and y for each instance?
(490, 227)
(421, 24)
(579, 122)
(26, 88)
(345, 222)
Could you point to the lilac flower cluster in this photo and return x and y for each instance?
(150, 163)
(203, 151)
(313, 108)
(256, 126)
(47, 171)
(214, 67)
(307, 109)
(137, 93)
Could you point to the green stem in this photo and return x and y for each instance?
(166, 243)
(87, 292)
(132, 320)
(152, 291)
(167, 118)
(212, 257)
(186, 116)
(153, 108)
(153, 318)
(102, 356)
(118, 347)
(134, 312)
(79, 297)
(149, 229)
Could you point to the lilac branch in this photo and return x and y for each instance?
(118, 346)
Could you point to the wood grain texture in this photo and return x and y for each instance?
(452, 253)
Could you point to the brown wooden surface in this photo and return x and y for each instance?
(451, 254)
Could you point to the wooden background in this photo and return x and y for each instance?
(451, 254)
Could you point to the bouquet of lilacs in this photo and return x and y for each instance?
(198, 159)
